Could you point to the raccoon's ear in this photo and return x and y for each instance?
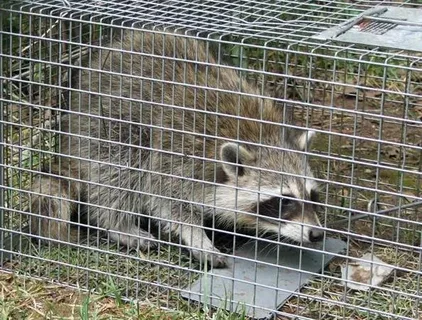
(234, 156)
(304, 139)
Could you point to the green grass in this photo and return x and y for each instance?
(24, 298)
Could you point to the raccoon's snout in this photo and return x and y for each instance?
(316, 235)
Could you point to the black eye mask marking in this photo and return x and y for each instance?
(315, 199)
(271, 207)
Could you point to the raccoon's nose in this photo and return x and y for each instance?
(315, 235)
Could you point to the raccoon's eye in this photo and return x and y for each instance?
(286, 201)
(315, 196)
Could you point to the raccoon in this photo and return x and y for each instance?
(157, 128)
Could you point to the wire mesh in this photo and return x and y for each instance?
(364, 103)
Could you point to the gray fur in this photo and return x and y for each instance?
(128, 149)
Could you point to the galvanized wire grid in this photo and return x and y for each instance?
(271, 20)
(365, 105)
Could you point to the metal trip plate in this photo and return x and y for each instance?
(390, 27)
(246, 283)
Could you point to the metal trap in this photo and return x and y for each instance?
(397, 28)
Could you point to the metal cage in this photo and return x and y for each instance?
(312, 59)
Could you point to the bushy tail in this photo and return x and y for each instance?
(50, 208)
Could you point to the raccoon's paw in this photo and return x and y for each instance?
(214, 260)
(135, 242)
(145, 243)
(217, 261)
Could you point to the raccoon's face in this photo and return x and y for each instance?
(283, 203)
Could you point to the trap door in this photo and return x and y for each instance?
(381, 26)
